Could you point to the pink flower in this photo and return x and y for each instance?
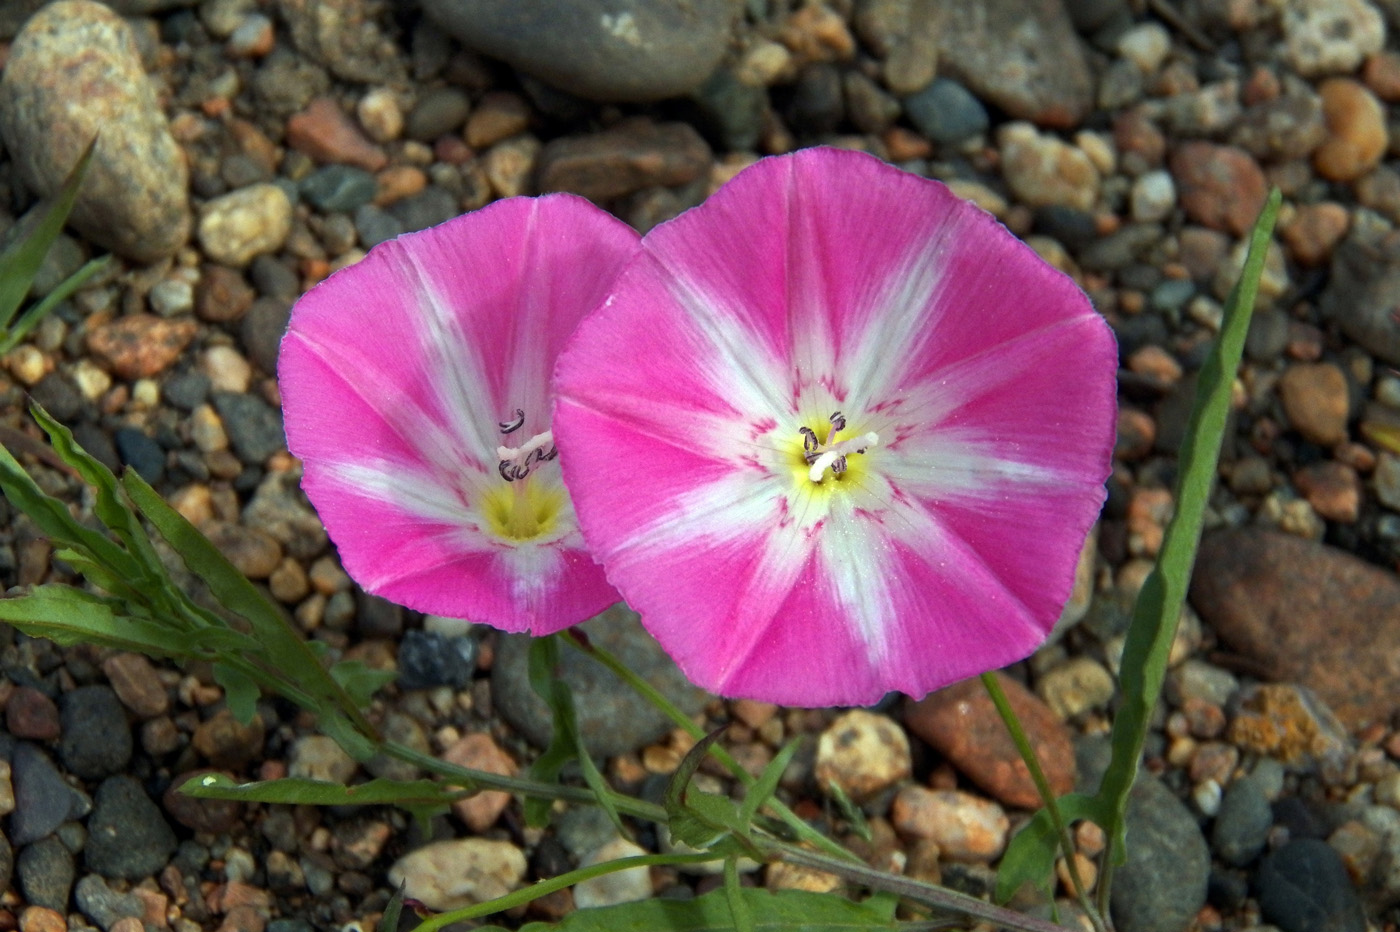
(837, 432)
(415, 386)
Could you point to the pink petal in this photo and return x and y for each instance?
(396, 374)
(819, 282)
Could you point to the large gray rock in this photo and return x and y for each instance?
(74, 70)
(602, 49)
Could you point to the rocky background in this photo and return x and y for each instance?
(250, 147)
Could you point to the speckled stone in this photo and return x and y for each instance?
(74, 70)
(452, 874)
(239, 226)
(863, 753)
(615, 50)
(1220, 187)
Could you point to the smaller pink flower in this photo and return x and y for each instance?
(837, 432)
(415, 389)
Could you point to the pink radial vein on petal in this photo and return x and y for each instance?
(396, 373)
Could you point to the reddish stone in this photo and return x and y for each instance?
(327, 134)
(30, 714)
(1221, 187)
(138, 346)
(1333, 489)
(1305, 613)
(633, 155)
(961, 722)
(477, 751)
(137, 684)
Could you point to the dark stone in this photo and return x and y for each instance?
(437, 112)
(817, 104)
(626, 158)
(95, 441)
(43, 801)
(1242, 824)
(947, 113)
(103, 905)
(612, 718)
(376, 225)
(343, 188)
(58, 396)
(128, 838)
(262, 329)
(428, 659)
(273, 278)
(376, 617)
(46, 871)
(1304, 887)
(1162, 885)
(427, 208)
(735, 110)
(96, 738)
(203, 815)
(186, 390)
(254, 427)
(141, 453)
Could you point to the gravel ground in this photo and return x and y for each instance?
(250, 147)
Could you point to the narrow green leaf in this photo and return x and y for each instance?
(389, 920)
(298, 791)
(849, 809)
(69, 616)
(240, 692)
(767, 783)
(783, 911)
(734, 893)
(1158, 607)
(20, 261)
(541, 661)
(11, 338)
(1030, 856)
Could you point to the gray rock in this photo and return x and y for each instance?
(428, 659)
(1364, 290)
(612, 718)
(1243, 822)
(438, 112)
(614, 50)
(345, 37)
(736, 110)
(946, 112)
(74, 70)
(254, 427)
(7, 862)
(279, 508)
(1304, 887)
(1163, 883)
(338, 188)
(128, 837)
(903, 33)
(96, 738)
(262, 329)
(427, 208)
(103, 905)
(1022, 55)
(46, 872)
(58, 396)
(375, 225)
(141, 453)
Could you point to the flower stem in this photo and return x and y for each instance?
(1047, 795)
(650, 693)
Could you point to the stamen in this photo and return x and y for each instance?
(510, 426)
(518, 462)
(833, 455)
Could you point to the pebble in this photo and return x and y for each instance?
(1078, 685)
(1333, 489)
(1303, 887)
(380, 114)
(140, 452)
(1316, 401)
(613, 720)
(170, 297)
(633, 155)
(227, 743)
(96, 738)
(965, 827)
(1146, 46)
(137, 684)
(279, 508)
(254, 37)
(962, 724)
(241, 225)
(1220, 187)
(223, 294)
(138, 346)
(1242, 823)
(1330, 36)
(498, 115)
(346, 38)
(207, 430)
(1153, 197)
(42, 919)
(1314, 231)
(342, 188)
(863, 753)
(75, 69)
(461, 872)
(253, 426)
(1356, 131)
(128, 838)
(252, 552)
(105, 906)
(613, 50)
(7, 793)
(1043, 170)
(1290, 724)
(946, 112)
(479, 751)
(43, 801)
(903, 34)
(438, 112)
(31, 714)
(1021, 55)
(316, 757)
(325, 133)
(427, 659)
(1162, 884)
(201, 815)
(625, 886)
(45, 871)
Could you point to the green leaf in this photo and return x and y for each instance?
(1030, 856)
(734, 893)
(298, 791)
(240, 692)
(20, 261)
(1159, 602)
(783, 911)
(69, 616)
(359, 681)
(31, 317)
(767, 783)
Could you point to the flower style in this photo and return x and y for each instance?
(837, 432)
(415, 390)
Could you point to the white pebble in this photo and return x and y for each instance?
(171, 296)
(1153, 196)
(226, 368)
(1146, 46)
(27, 364)
(626, 886)
(145, 393)
(1206, 795)
(380, 114)
(459, 872)
(92, 382)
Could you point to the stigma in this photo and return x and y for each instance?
(831, 453)
(518, 462)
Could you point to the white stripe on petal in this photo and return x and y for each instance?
(410, 491)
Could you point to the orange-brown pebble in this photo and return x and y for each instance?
(1088, 873)
(753, 713)
(904, 144)
(327, 134)
(1149, 510)
(965, 827)
(1157, 365)
(1382, 75)
(498, 115)
(479, 752)
(817, 33)
(398, 182)
(1263, 86)
(1137, 431)
(138, 346)
(1316, 400)
(1220, 187)
(1356, 133)
(41, 919)
(1314, 231)
(1356, 455)
(1332, 488)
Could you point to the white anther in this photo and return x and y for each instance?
(522, 453)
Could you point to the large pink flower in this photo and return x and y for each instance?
(415, 386)
(837, 432)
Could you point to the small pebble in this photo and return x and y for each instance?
(461, 872)
(863, 753)
(965, 827)
(625, 886)
(1316, 401)
(243, 224)
(1357, 136)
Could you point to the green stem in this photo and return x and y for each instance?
(546, 887)
(1047, 795)
(650, 693)
(918, 891)
(522, 786)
